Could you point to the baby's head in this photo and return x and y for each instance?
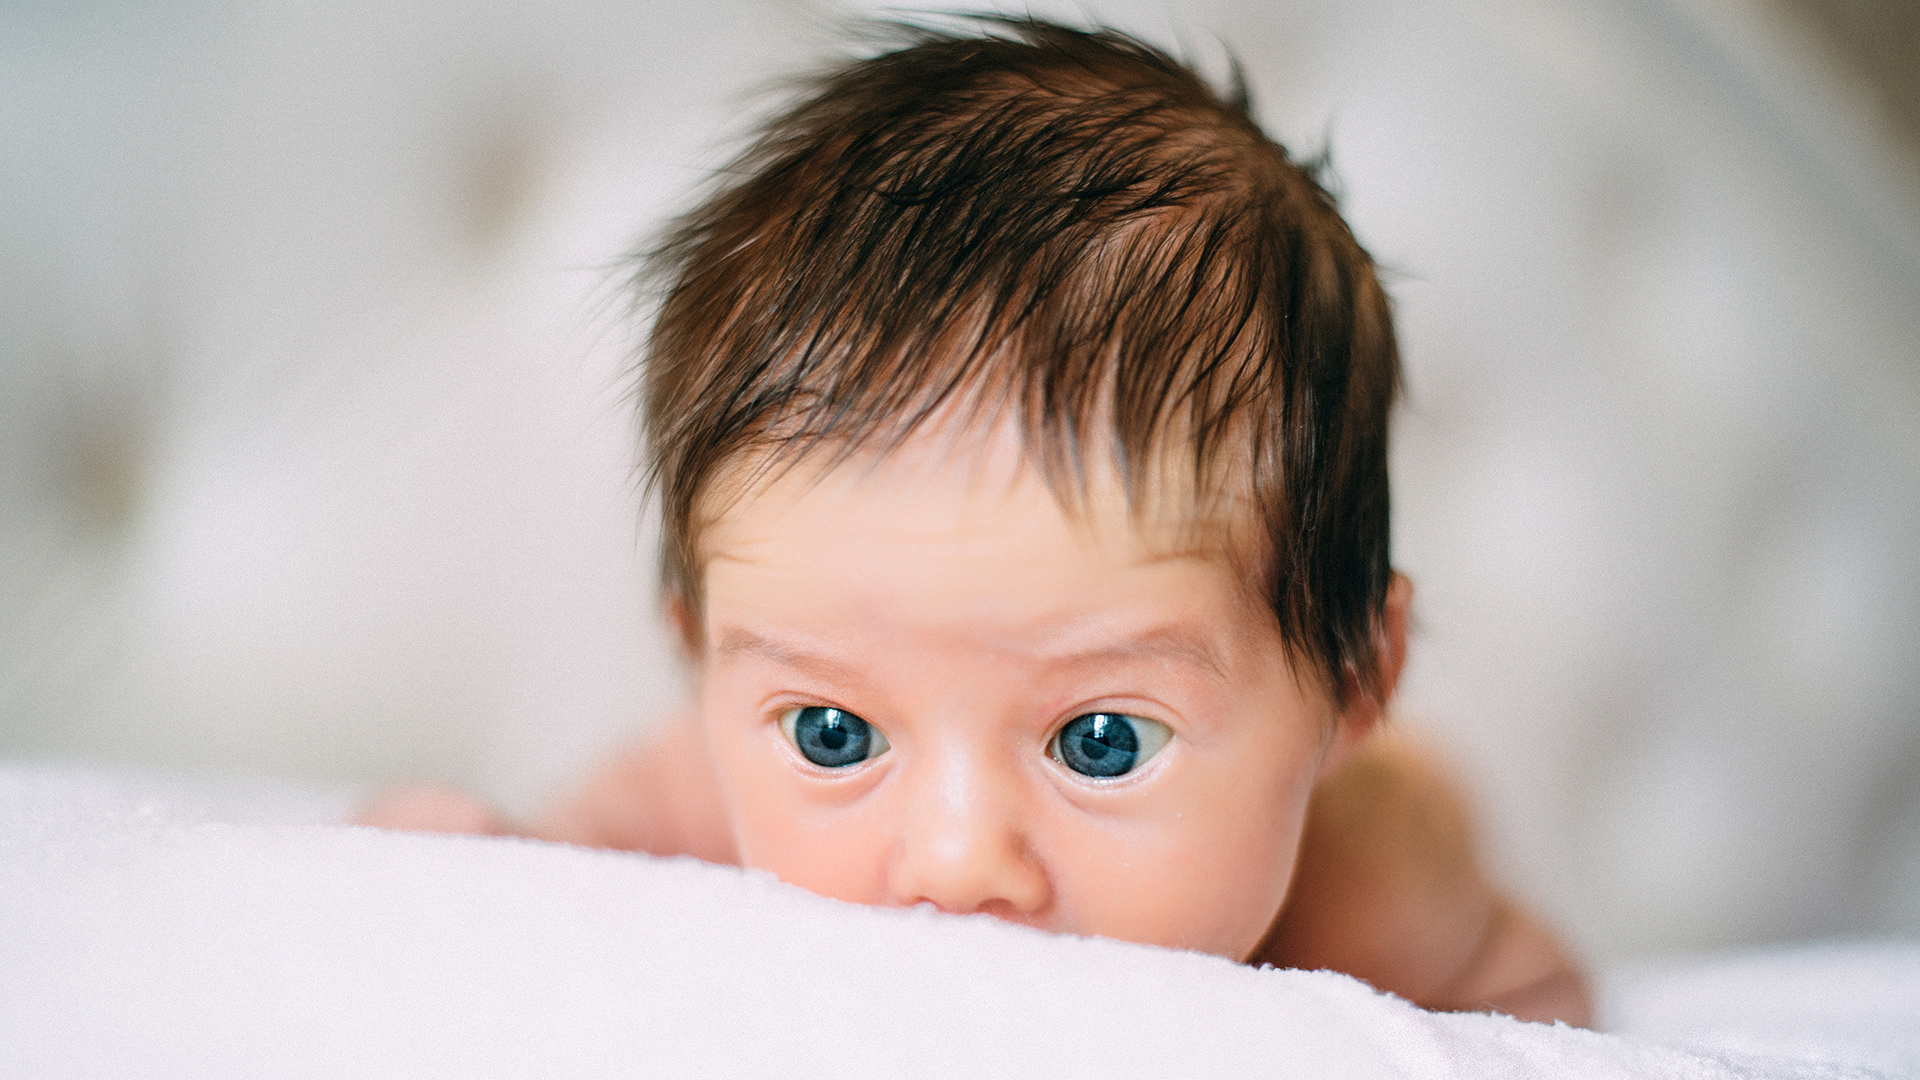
(1019, 417)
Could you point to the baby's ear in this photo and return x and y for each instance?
(1390, 634)
(684, 624)
(1364, 708)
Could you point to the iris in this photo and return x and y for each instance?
(832, 738)
(1099, 744)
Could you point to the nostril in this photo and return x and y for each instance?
(997, 907)
(1003, 909)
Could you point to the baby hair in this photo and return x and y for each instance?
(1069, 227)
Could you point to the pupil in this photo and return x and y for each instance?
(834, 737)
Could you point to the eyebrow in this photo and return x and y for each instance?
(736, 641)
(1164, 643)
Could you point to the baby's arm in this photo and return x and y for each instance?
(1388, 888)
(659, 798)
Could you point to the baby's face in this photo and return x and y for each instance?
(922, 681)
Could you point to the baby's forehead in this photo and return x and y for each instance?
(956, 553)
(991, 477)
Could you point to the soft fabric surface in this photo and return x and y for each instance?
(1853, 1000)
(145, 933)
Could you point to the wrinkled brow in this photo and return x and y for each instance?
(1176, 643)
(736, 641)
(1179, 644)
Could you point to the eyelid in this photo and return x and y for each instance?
(1130, 706)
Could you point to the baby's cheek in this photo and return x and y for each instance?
(1210, 874)
(822, 851)
(1213, 896)
(841, 868)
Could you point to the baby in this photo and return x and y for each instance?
(1018, 413)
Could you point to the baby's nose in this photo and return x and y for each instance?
(962, 846)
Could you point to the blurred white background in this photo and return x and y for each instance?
(314, 460)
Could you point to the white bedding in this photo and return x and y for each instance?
(151, 928)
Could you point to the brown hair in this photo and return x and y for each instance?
(1070, 224)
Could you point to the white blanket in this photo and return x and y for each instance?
(145, 934)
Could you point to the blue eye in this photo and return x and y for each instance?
(832, 738)
(1108, 744)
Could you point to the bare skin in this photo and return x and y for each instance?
(979, 620)
(1387, 887)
